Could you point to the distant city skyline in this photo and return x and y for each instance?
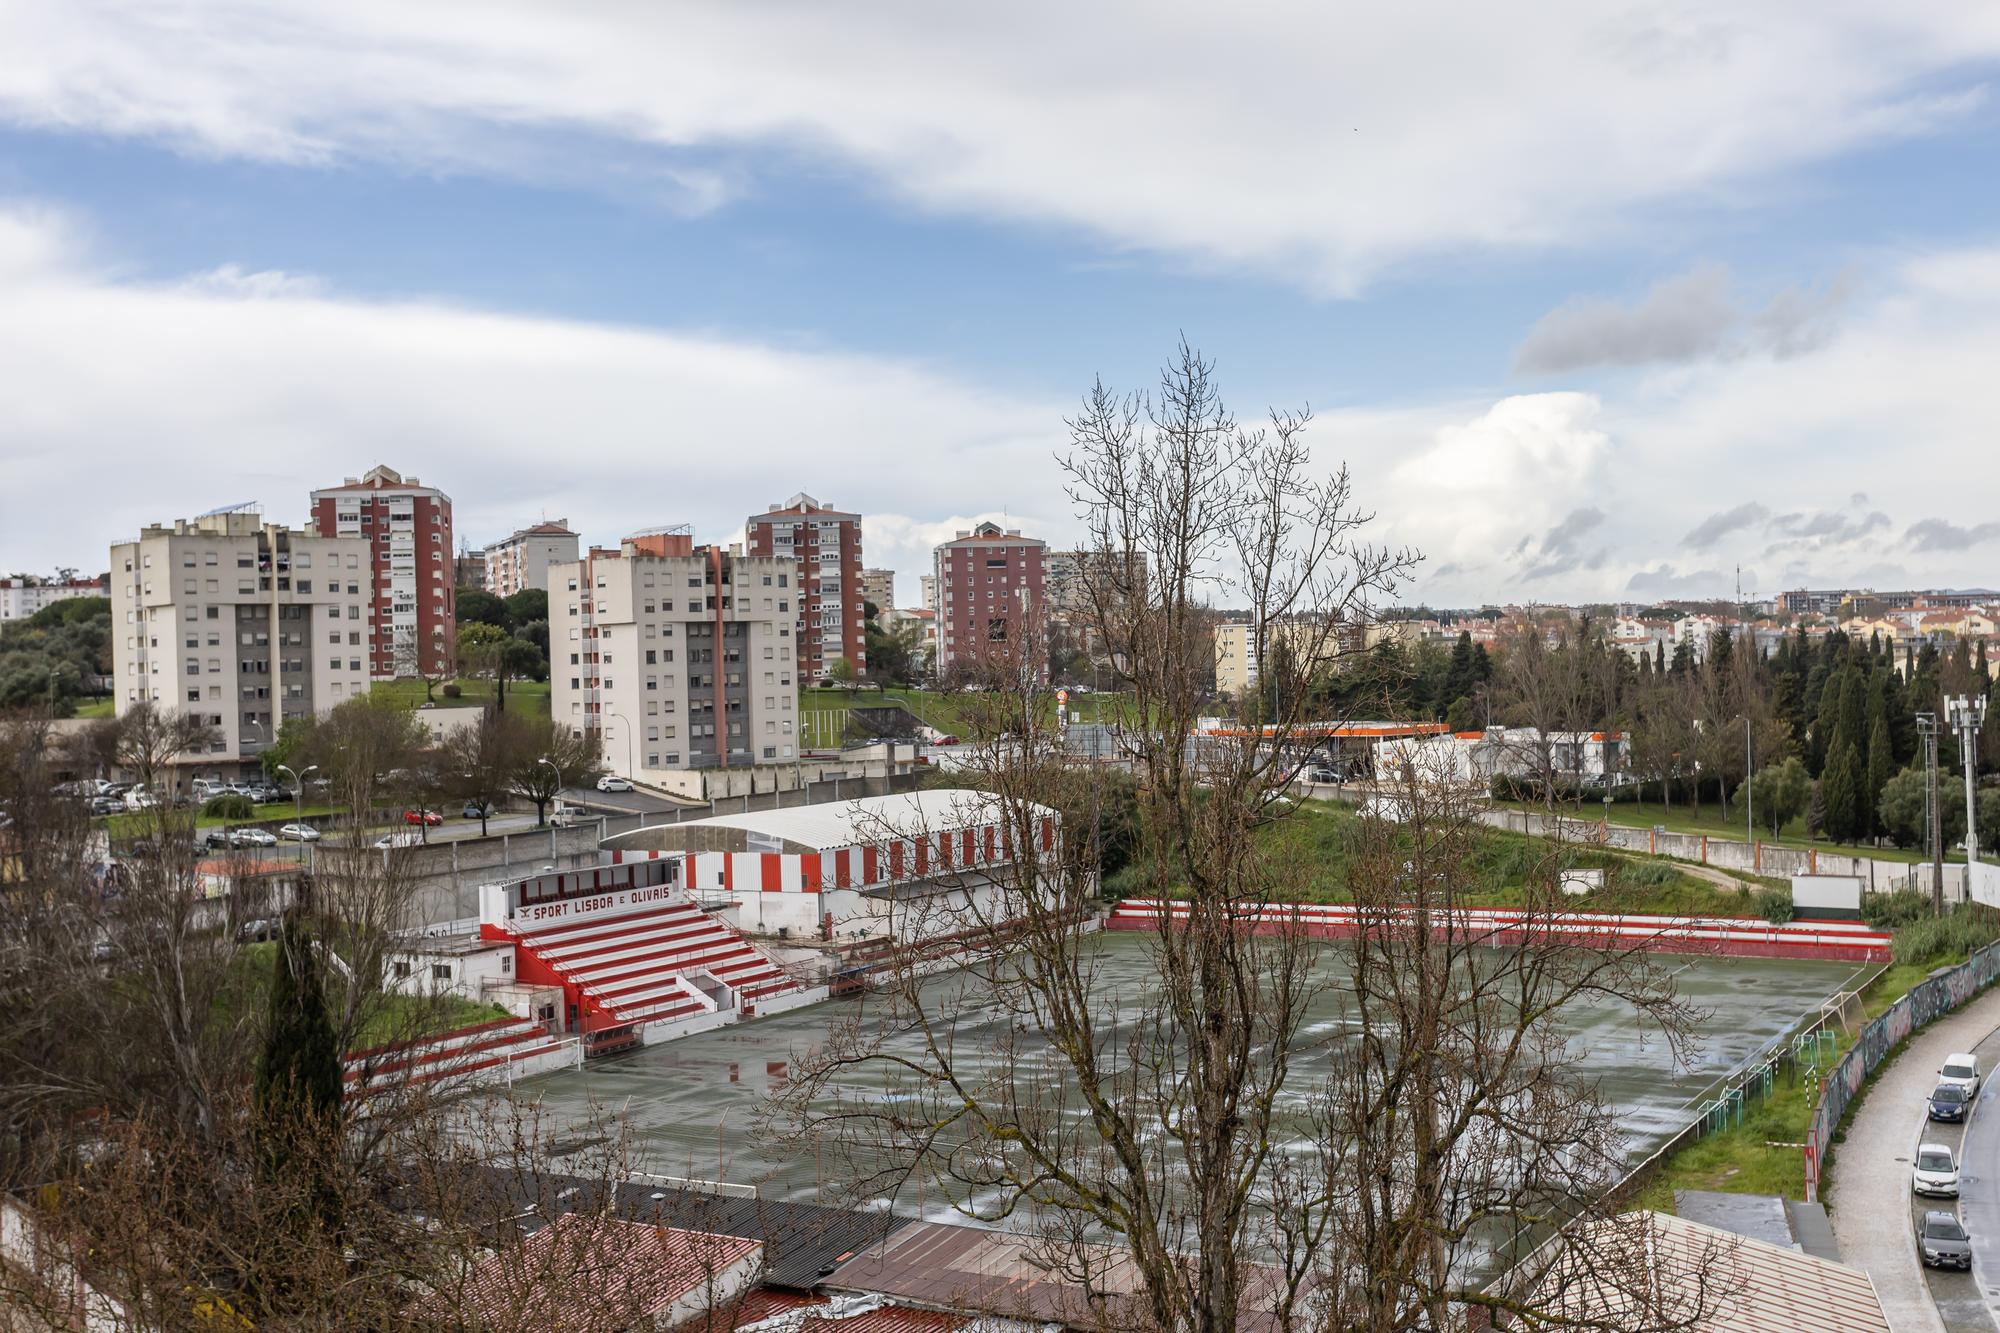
(1596, 305)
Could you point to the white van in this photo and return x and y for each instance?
(1962, 1070)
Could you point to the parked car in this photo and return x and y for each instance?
(262, 928)
(1936, 1171)
(106, 805)
(252, 837)
(1942, 1241)
(428, 818)
(298, 833)
(474, 810)
(1321, 773)
(1964, 1071)
(141, 799)
(612, 782)
(1949, 1102)
(402, 838)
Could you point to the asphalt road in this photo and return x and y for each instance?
(1960, 1297)
(1868, 1194)
(620, 802)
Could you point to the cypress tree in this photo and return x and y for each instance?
(299, 1078)
(1853, 717)
(1659, 659)
(1842, 789)
(1881, 767)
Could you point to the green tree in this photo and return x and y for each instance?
(1900, 811)
(529, 604)
(299, 1076)
(478, 606)
(1881, 766)
(1841, 784)
(479, 647)
(1781, 793)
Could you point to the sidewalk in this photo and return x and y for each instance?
(1868, 1181)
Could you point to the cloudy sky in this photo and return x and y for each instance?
(1598, 300)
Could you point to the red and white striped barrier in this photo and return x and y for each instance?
(1740, 937)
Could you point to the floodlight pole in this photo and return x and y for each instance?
(1967, 714)
(1927, 727)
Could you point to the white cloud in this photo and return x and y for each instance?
(126, 402)
(1692, 316)
(1318, 143)
(129, 403)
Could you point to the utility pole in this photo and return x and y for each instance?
(1966, 716)
(1927, 727)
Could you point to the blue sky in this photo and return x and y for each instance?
(1563, 287)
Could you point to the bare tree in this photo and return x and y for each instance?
(550, 760)
(1210, 1155)
(1148, 1127)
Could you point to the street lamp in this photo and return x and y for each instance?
(631, 769)
(558, 772)
(299, 803)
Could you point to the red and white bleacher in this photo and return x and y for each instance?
(1743, 937)
(643, 966)
(482, 1053)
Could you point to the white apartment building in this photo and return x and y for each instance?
(240, 622)
(679, 659)
(523, 560)
(24, 594)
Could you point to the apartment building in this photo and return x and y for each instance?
(879, 586)
(522, 561)
(678, 656)
(992, 597)
(1237, 651)
(241, 622)
(927, 592)
(826, 543)
(413, 625)
(24, 594)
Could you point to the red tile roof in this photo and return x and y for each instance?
(593, 1273)
(791, 1313)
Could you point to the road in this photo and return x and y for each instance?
(1961, 1302)
(624, 802)
(1868, 1193)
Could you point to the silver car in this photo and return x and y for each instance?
(1942, 1241)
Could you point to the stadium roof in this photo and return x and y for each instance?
(825, 827)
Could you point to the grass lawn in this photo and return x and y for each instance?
(388, 1018)
(1314, 847)
(530, 694)
(1682, 818)
(823, 713)
(94, 708)
(139, 823)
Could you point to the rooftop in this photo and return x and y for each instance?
(825, 827)
(623, 1270)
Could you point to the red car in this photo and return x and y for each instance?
(430, 818)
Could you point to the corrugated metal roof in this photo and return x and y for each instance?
(785, 1312)
(802, 1241)
(1748, 1285)
(835, 824)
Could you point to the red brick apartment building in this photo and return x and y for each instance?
(827, 545)
(991, 595)
(413, 616)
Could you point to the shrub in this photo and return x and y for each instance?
(1775, 905)
(1646, 874)
(1892, 911)
(452, 691)
(229, 805)
(1944, 939)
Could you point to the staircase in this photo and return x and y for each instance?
(486, 1052)
(648, 966)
